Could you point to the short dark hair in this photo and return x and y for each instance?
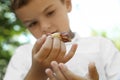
(16, 4)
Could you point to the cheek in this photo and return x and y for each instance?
(36, 33)
(64, 24)
(61, 21)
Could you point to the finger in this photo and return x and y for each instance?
(70, 53)
(38, 44)
(43, 53)
(50, 74)
(68, 74)
(93, 74)
(55, 49)
(48, 78)
(59, 75)
(62, 52)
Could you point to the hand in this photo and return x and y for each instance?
(48, 49)
(61, 72)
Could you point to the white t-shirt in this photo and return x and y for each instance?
(92, 49)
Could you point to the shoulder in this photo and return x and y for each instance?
(95, 43)
(25, 47)
(22, 55)
(20, 62)
(23, 50)
(102, 41)
(91, 39)
(98, 40)
(103, 45)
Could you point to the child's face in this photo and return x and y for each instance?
(45, 16)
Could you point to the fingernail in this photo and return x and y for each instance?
(49, 36)
(54, 63)
(61, 65)
(43, 35)
(92, 63)
(47, 70)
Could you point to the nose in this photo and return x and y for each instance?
(46, 26)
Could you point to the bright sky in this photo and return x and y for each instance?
(97, 14)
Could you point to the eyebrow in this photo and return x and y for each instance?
(47, 8)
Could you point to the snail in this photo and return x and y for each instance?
(63, 36)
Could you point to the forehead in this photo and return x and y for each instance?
(35, 7)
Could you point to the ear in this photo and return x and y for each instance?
(68, 4)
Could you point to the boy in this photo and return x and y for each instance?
(48, 58)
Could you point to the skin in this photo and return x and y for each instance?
(61, 72)
(43, 17)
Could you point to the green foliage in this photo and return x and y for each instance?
(10, 27)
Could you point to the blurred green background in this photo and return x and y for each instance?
(13, 34)
(10, 31)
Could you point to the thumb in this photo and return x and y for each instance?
(93, 74)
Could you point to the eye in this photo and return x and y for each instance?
(51, 13)
(33, 24)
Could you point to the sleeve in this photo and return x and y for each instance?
(112, 60)
(16, 69)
